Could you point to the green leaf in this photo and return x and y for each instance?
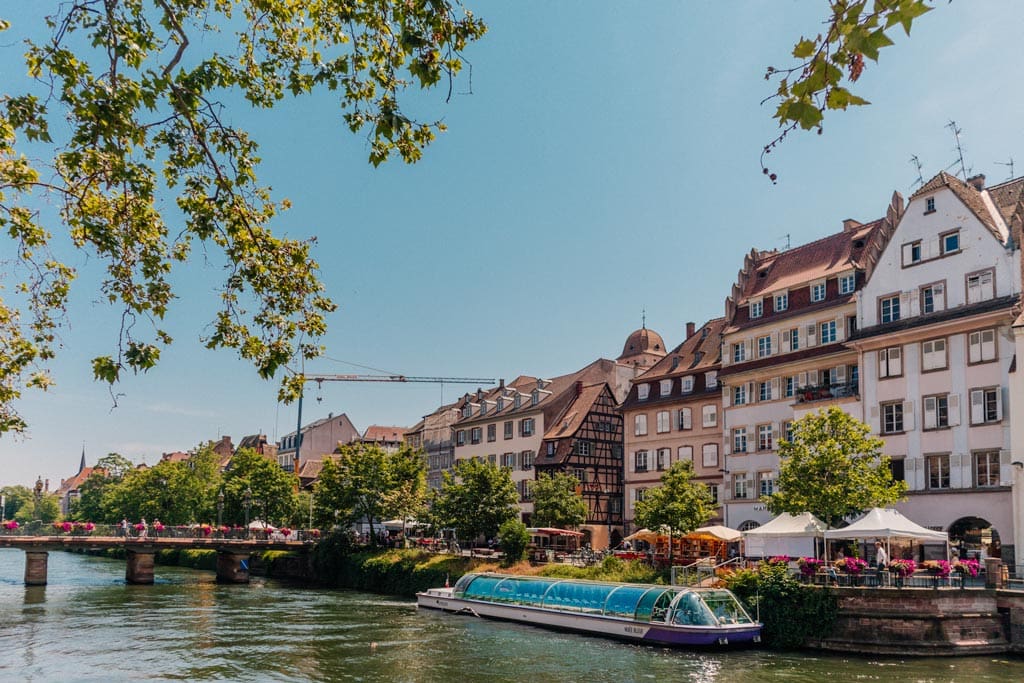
(875, 42)
(804, 49)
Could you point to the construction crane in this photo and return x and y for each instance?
(320, 379)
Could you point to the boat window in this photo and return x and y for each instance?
(464, 580)
(482, 586)
(645, 607)
(525, 591)
(726, 608)
(690, 610)
(577, 597)
(622, 601)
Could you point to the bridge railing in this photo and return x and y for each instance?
(135, 531)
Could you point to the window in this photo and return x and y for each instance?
(661, 458)
(526, 426)
(911, 253)
(936, 411)
(892, 418)
(686, 384)
(534, 397)
(475, 434)
(508, 429)
(492, 432)
(847, 283)
(580, 474)
(781, 302)
(981, 346)
(792, 338)
(764, 438)
(642, 391)
(896, 467)
(933, 354)
(933, 298)
(710, 379)
(787, 430)
(890, 362)
(764, 346)
(937, 471)
(766, 481)
(584, 447)
(492, 459)
(640, 461)
(685, 418)
(666, 387)
(685, 454)
(986, 405)
(460, 437)
(508, 460)
(950, 242)
(517, 401)
(739, 440)
(709, 416)
(764, 391)
(790, 386)
(709, 455)
(713, 490)
(640, 425)
(756, 309)
(740, 486)
(828, 332)
(641, 494)
(739, 394)
(986, 469)
(929, 205)
(818, 291)
(980, 287)
(526, 460)
(889, 309)
(663, 424)
(739, 352)
(525, 494)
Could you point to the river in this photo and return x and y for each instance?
(88, 625)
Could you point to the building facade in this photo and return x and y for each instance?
(319, 438)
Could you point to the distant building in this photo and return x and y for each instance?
(433, 434)
(260, 444)
(318, 439)
(388, 438)
(70, 488)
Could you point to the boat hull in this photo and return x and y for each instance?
(740, 635)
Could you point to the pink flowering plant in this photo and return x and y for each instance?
(968, 566)
(809, 566)
(157, 526)
(851, 565)
(902, 568)
(778, 559)
(286, 532)
(206, 529)
(63, 526)
(11, 525)
(938, 568)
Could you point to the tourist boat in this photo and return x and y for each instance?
(664, 615)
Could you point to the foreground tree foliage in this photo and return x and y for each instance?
(365, 483)
(109, 471)
(271, 491)
(679, 504)
(476, 500)
(126, 112)
(556, 502)
(833, 468)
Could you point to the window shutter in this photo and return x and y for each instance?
(748, 349)
(999, 403)
(840, 374)
(908, 254)
(727, 444)
(631, 464)
(929, 413)
(726, 396)
(939, 297)
(801, 380)
(873, 420)
(930, 248)
(687, 418)
(954, 409)
(908, 416)
(750, 392)
(904, 304)
(812, 335)
(785, 342)
(775, 388)
(977, 406)
(974, 347)
(775, 434)
(840, 328)
(988, 345)
(774, 336)
(895, 361)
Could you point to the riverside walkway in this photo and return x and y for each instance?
(233, 546)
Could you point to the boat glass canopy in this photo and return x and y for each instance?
(656, 604)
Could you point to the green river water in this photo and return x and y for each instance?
(88, 625)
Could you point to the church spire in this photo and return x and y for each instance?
(81, 467)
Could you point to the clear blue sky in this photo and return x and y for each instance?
(605, 162)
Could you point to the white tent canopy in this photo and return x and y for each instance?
(787, 534)
(722, 533)
(887, 523)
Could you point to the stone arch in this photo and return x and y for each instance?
(976, 537)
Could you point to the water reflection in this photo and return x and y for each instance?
(87, 624)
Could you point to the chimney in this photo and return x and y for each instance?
(690, 329)
(501, 383)
(46, 487)
(579, 387)
(851, 224)
(977, 182)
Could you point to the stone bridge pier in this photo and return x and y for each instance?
(36, 562)
(232, 566)
(139, 565)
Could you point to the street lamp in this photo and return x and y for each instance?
(246, 503)
(220, 508)
(38, 495)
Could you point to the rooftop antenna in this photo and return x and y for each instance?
(917, 164)
(643, 317)
(1007, 163)
(959, 147)
(786, 237)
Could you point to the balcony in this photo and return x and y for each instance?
(827, 392)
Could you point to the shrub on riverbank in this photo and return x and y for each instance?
(792, 613)
(610, 569)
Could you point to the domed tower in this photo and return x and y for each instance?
(643, 348)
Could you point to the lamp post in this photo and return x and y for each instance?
(220, 509)
(246, 503)
(38, 491)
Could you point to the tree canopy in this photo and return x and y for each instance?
(270, 490)
(124, 131)
(556, 502)
(833, 468)
(679, 504)
(476, 500)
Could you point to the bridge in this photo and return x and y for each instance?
(234, 548)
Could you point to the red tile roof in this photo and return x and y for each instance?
(379, 433)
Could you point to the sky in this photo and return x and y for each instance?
(603, 166)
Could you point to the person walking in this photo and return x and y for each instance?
(144, 528)
(124, 527)
(881, 557)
